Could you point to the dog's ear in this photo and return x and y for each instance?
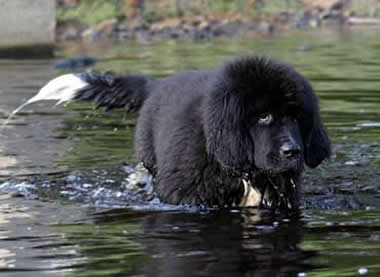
(226, 134)
(317, 146)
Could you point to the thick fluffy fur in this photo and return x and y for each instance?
(217, 137)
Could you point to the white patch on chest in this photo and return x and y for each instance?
(251, 197)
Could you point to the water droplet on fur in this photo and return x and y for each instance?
(293, 183)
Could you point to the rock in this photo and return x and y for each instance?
(90, 34)
(208, 27)
(123, 27)
(187, 29)
(332, 20)
(204, 25)
(139, 23)
(231, 29)
(174, 34)
(363, 21)
(330, 11)
(218, 29)
(76, 62)
(283, 17)
(197, 20)
(70, 33)
(266, 28)
(107, 28)
(155, 28)
(325, 4)
(125, 35)
(68, 3)
(304, 21)
(190, 33)
(143, 37)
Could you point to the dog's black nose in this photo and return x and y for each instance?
(289, 150)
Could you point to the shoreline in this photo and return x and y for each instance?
(209, 27)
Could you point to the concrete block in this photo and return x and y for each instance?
(27, 27)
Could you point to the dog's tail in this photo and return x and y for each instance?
(103, 90)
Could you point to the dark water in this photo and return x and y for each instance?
(67, 206)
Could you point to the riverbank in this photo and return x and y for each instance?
(107, 22)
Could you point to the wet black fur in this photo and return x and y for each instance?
(198, 135)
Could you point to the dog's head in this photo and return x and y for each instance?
(262, 118)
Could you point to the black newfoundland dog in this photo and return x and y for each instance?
(235, 136)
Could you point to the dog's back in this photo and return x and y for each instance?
(174, 102)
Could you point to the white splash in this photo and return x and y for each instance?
(62, 89)
(362, 271)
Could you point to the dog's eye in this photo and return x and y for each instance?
(265, 119)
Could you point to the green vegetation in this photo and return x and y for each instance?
(90, 12)
(95, 11)
(366, 8)
(95, 130)
(108, 251)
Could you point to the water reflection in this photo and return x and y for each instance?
(178, 243)
(240, 243)
(52, 240)
(28, 246)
